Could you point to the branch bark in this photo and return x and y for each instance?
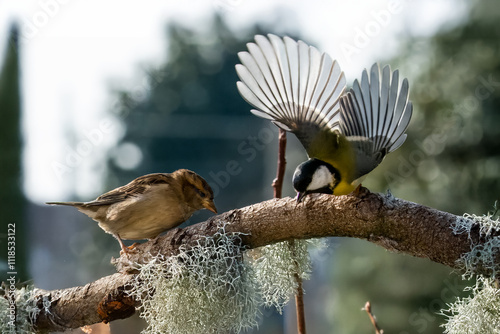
(394, 224)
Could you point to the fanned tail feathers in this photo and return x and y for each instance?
(377, 109)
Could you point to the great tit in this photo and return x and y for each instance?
(346, 134)
(148, 205)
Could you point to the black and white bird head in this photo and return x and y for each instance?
(315, 176)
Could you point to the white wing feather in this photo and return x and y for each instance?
(374, 116)
(291, 83)
(379, 111)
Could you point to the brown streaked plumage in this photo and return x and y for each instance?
(148, 205)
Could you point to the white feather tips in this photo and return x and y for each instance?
(290, 82)
(378, 109)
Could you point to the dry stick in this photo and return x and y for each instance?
(278, 186)
(368, 309)
(280, 172)
(299, 306)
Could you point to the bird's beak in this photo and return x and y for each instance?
(209, 205)
(300, 196)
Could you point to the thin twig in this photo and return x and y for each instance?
(299, 306)
(280, 172)
(278, 186)
(368, 309)
(299, 295)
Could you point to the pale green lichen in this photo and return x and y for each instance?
(478, 313)
(204, 289)
(276, 268)
(484, 254)
(17, 311)
(216, 286)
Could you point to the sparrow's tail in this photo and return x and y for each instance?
(65, 203)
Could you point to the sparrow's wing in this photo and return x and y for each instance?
(374, 116)
(134, 188)
(293, 85)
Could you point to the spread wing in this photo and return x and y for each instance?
(134, 188)
(374, 116)
(294, 85)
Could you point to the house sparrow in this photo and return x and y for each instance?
(149, 205)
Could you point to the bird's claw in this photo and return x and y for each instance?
(129, 250)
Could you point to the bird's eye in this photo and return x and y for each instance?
(199, 192)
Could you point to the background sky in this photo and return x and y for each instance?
(67, 86)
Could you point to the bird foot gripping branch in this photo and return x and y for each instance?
(360, 191)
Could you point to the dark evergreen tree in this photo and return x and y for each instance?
(191, 116)
(11, 194)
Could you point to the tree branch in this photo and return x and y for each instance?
(394, 224)
(368, 309)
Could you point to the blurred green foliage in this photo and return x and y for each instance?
(191, 116)
(450, 161)
(11, 196)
